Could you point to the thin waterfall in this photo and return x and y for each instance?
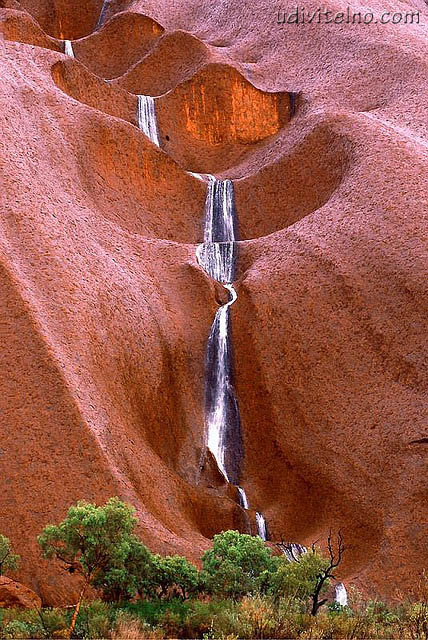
(292, 550)
(68, 48)
(146, 118)
(217, 256)
(340, 594)
(223, 420)
(261, 526)
(243, 500)
(101, 16)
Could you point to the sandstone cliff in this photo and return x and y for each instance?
(105, 312)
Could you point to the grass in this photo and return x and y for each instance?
(251, 617)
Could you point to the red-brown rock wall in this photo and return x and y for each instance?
(106, 314)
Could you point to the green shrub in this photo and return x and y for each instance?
(174, 576)
(98, 543)
(128, 574)
(9, 561)
(298, 579)
(237, 564)
(96, 619)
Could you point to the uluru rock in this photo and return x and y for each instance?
(105, 312)
(14, 594)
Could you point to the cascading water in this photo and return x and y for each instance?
(146, 118)
(102, 15)
(261, 526)
(340, 595)
(217, 256)
(68, 48)
(292, 550)
(223, 421)
(243, 500)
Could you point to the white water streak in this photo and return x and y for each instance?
(341, 596)
(220, 195)
(243, 498)
(146, 118)
(293, 551)
(217, 418)
(217, 259)
(261, 526)
(68, 48)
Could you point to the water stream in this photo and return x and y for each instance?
(340, 594)
(261, 526)
(217, 256)
(102, 16)
(68, 48)
(146, 118)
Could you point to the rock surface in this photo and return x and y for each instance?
(105, 312)
(14, 594)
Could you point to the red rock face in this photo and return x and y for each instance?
(105, 313)
(14, 594)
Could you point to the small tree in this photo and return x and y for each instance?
(175, 575)
(90, 541)
(125, 576)
(308, 575)
(325, 573)
(9, 561)
(238, 564)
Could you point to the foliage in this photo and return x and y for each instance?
(97, 543)
(91, 539)
(127, 573)
(237, 564)
(298, 579)
(174, 576)
(9, 561)
(252, 617)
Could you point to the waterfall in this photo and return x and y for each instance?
(146, 118)
(261, 526)
(101, 16)
(222, 417)
(292, 550)
(220, 212)
(243, 500)
(218, 260)
(217, 256)
(340, 595)
(68, 48)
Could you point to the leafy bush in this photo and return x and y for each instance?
(98, 543)
(9, 561)
(95, 621)
(91, 540)
(174, 576)
(298, 579)
(127, 574)
(237, 564)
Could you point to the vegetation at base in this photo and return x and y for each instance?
(242, 590)
(250, 617)
(9, 561)
(237, 565)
